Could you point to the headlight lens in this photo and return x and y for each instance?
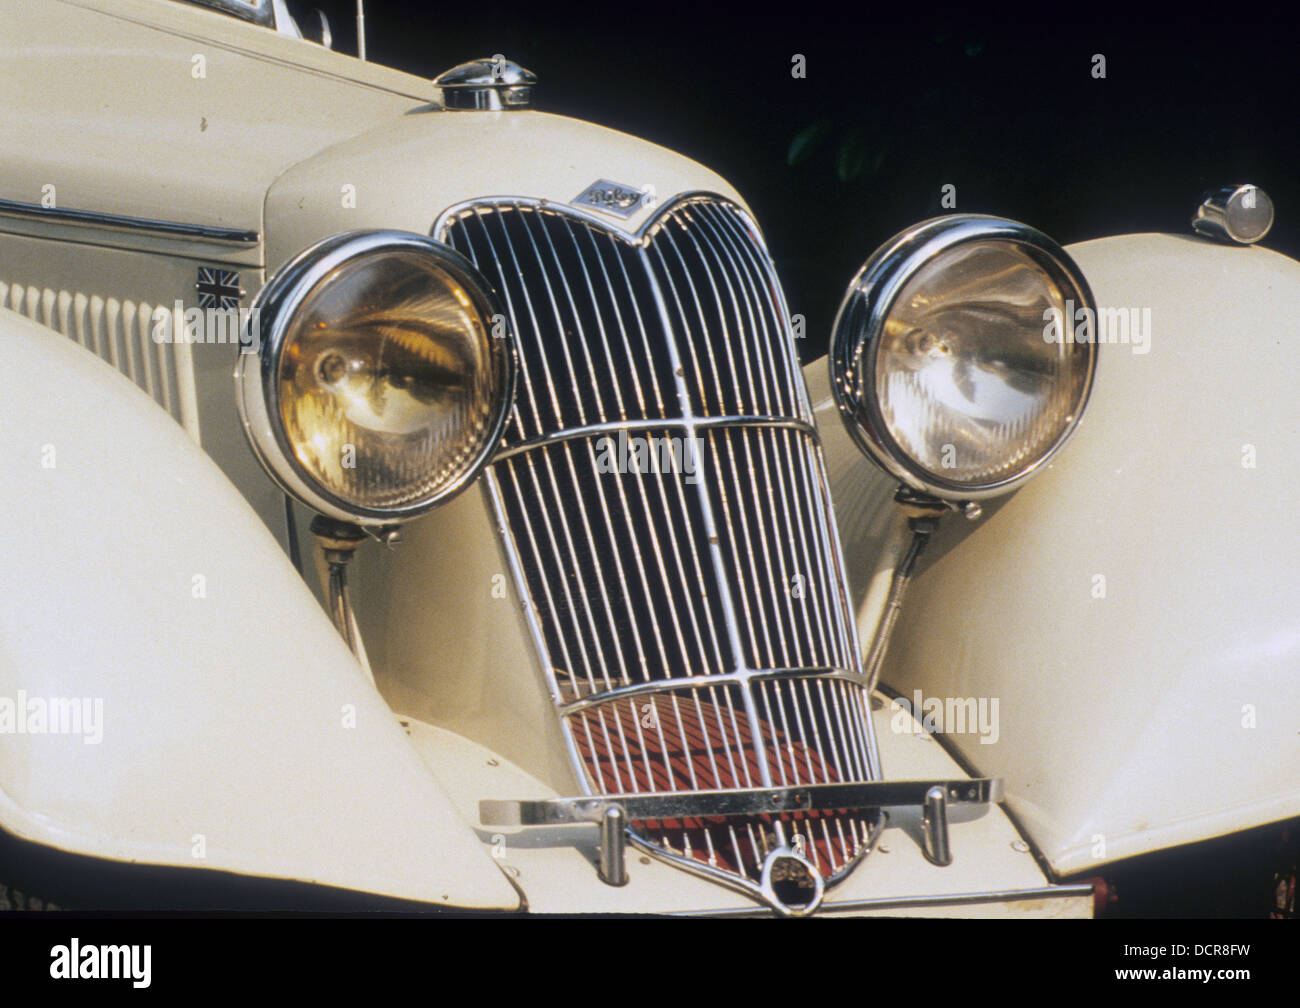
(954, 359)
(381, 383)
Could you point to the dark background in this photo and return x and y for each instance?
(1004, 108)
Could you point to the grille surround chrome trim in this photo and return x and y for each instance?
(755, 303)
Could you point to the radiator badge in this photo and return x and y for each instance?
(611, 198)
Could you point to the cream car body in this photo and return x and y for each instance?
(236, 722)
(1133, 606)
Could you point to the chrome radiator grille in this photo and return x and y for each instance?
(665, 500)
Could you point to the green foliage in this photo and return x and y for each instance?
(806, 142)
(858, 153)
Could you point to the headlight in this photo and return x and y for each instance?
(381, 379)
(963, 354)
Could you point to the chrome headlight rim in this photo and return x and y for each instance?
(859, 323)
(271, 316)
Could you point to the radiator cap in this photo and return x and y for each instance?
(490, 83)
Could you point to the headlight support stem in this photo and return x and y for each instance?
(338, 542)
(923, 514)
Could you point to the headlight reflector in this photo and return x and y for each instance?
(955, 361)
(379, 386)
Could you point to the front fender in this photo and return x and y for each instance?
(170, 691)
(1132, 611)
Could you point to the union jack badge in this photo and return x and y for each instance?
(218, 288)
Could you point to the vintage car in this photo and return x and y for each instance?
(415, 498)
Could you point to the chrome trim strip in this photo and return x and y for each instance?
(675, 424)
(902, 902)
(93, 218)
